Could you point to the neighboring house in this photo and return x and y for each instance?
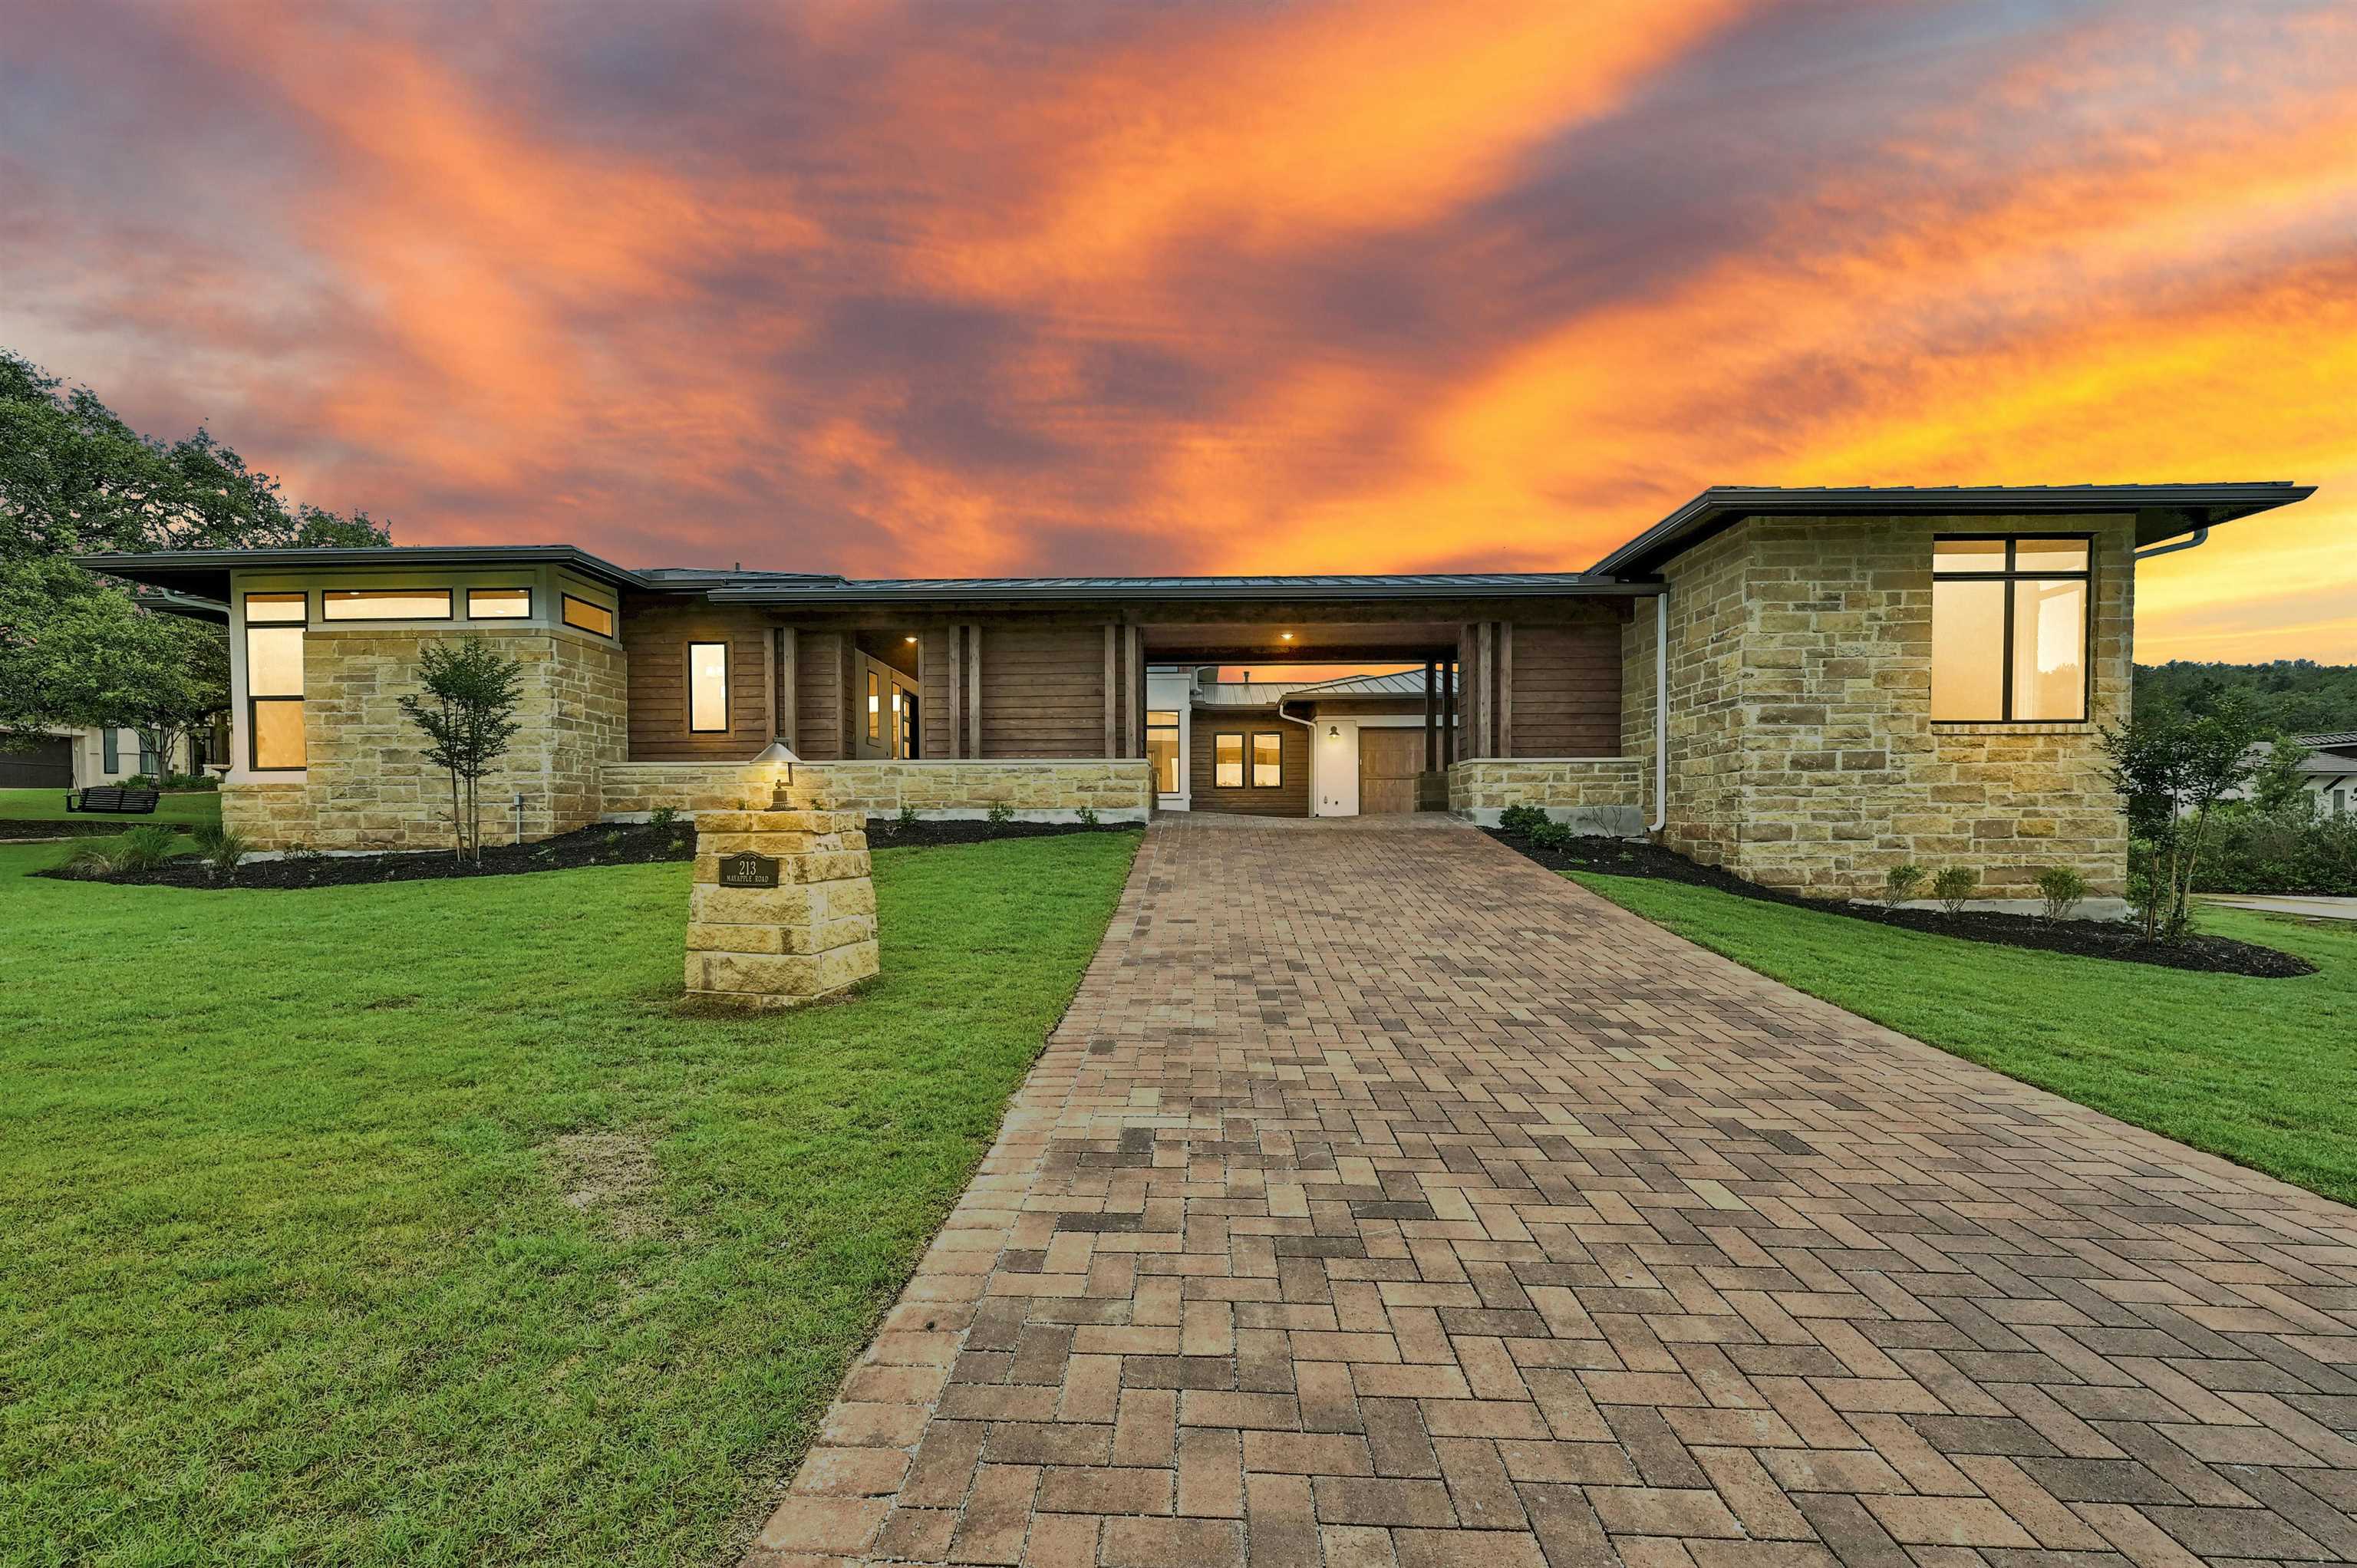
(1853, 678)
(76, 759)
(2329, 770)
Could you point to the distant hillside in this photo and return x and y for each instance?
(2297, 696)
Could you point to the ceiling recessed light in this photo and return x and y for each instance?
(1284, 637)
(908, 639)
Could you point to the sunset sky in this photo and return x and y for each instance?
(954, 289)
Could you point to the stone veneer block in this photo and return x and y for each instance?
(810, 936)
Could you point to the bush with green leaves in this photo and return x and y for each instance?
(662, 816)
(2172, 769)
(1953, 887)
(2062, 889)
(187, 781)
(1523, 820)
(223, 848)
(1901, 883)
(465, 709)
(1087, 816)
(1551, 834)
(2291, 849)
(144, 848)
(140, 781)
(1001, 812)
(92, 857)
(908, 817)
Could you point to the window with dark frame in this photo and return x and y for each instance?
(499, 604)
(583, 615)
(875, 706)
(274, 625)
(384, 604)
(2010, 622)
(1268, 759)
(707, 687)
(1162, 747)
(1228, 762)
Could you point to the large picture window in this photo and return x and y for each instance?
(499, 604)
(1268, 759)
(1228, 762)
(273, 681)
(708, 687)
(1162, 748)
(2009, 630)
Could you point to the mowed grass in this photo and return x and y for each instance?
(420, 1224)
(2261, 1072)
(190, 809)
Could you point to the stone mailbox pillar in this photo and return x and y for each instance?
(782, 911)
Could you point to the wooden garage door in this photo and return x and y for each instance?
(1390, 760)
(43, 765)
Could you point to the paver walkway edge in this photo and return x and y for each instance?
(1386, 1199)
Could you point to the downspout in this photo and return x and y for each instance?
(2200, 537)
(1660, 712)
(1311, 725)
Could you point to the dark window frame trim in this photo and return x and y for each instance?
(687, 669)
(1244, 758)
(2011, 573)
(449, 603)
(253, 727)
(613, 617)
(531, 601)
(1251, 761)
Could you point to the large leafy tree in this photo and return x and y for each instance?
(76, 479)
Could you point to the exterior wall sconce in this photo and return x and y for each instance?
(1333, 732)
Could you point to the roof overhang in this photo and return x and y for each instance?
(1322, 589)
(2162, 511)
(206, 573)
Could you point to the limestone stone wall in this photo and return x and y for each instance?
(810, 936)
(1803, 752)
(368, 785)
(1117, 790)
(273, 816)
(1592, 794)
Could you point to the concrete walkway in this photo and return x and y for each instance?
(2308, 906)
(1386, 1199)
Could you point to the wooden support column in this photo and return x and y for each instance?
(788, 710)
(1505, 641)
(1112, 691)
(1451, 673)
(974, 687)
(954, 687)
(1431, 736)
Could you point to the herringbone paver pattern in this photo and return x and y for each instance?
(1385, 1199)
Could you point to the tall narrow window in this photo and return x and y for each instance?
(1268, 759)
(1162, 748)
(708, 687)
(1228, 762)
(274, 681)
(875, 706)
(2009, 630)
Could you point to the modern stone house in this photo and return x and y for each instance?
(1806, 686)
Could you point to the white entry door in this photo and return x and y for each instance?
(1335, 774)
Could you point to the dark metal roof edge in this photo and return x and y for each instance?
(951, 590)
(1722, 506)
(179, 562)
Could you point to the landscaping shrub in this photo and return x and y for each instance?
(1953, 887)
(908, 817)
(662, 816)
(1523, 819)
(2288, 850)
(223, 848)
(1087, 816)
(186, 781)
(2173, 770)
(92, 857)
(144, 848)
(2063, 889)
(1548, 834)
(1901, 883)
(1000, 812)
(140, 781)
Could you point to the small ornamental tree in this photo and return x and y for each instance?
(466, 708)
(2171, 769)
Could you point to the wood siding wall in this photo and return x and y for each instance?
(1043, 691)
(655, 635)
(1291, 798)
(819, 660)
(1567, 690)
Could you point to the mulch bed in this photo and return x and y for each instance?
(2086, 938)
(640, 844)
(891, 832)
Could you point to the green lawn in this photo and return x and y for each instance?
(419, 1224)
(49, 805)
(2260, 1071)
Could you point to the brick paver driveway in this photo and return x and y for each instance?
(1385, 1198)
